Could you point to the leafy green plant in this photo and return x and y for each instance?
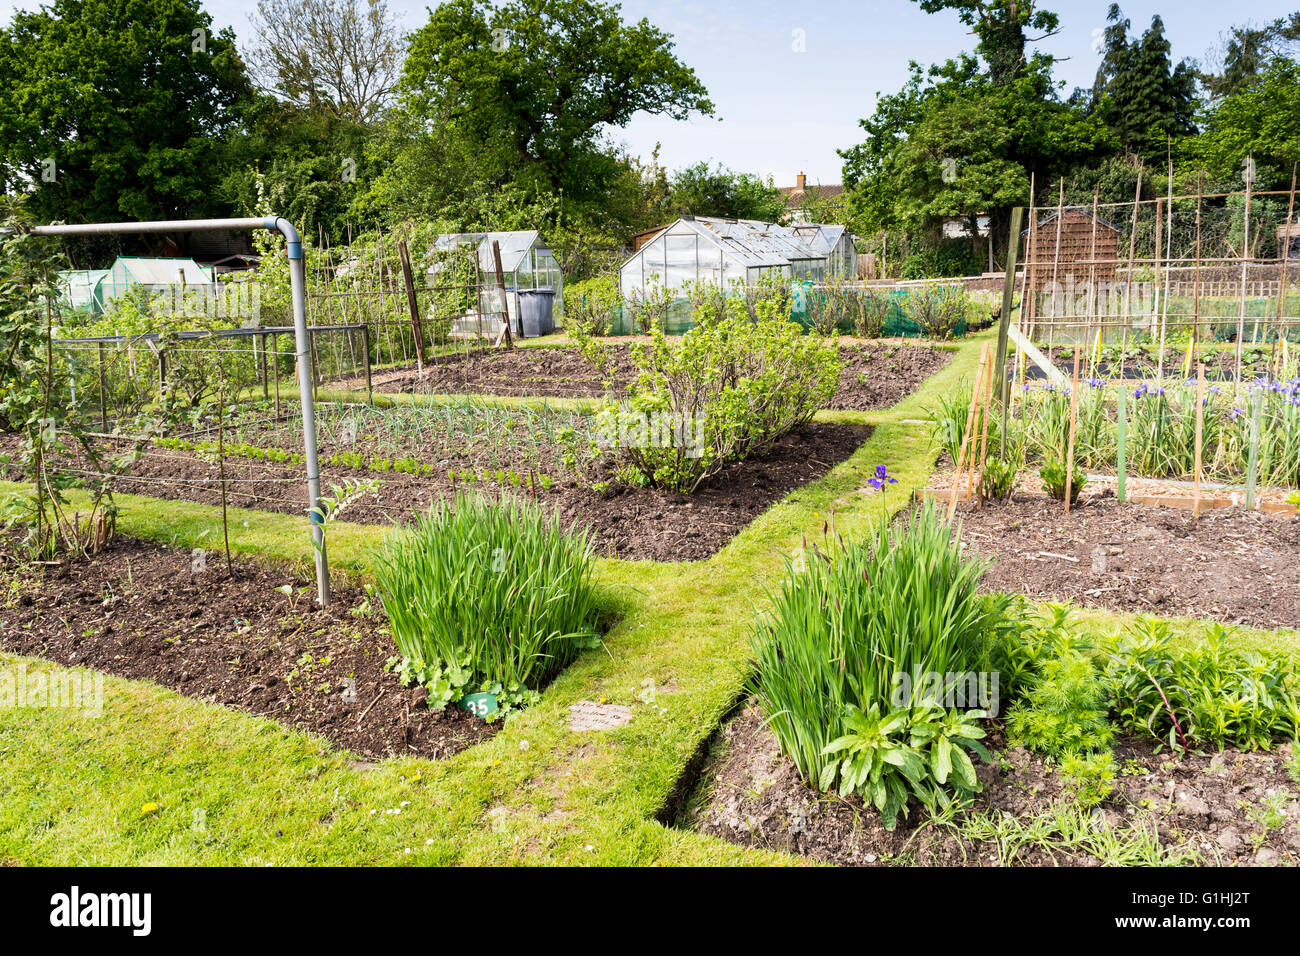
(885, 759)
(998, 480)
(938, 310)
(1064, 710)
(857, 631)
(481, 590)
(1089, 778)
(590, 307)
(1211, 693)
(1053, 476)
(728, 389)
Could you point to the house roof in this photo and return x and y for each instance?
(796, 196)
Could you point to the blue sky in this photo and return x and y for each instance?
(782, 111)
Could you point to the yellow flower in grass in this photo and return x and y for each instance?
(149, 808)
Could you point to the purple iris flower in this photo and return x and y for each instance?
(881, 478)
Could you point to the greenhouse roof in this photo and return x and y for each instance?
(822, 237)
(753, 243)
(514, 246)
(157, 271)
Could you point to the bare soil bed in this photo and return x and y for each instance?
(1232, 565)
(876, 374)
(140, 611)
(1207, 809)
(635, 523)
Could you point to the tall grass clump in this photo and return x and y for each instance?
(846, 660)
(487, 595)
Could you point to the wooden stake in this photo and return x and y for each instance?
(970, 427)
(1074, 417)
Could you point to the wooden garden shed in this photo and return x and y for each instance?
(1071, 242)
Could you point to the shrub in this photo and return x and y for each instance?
(481, 593)
(1064, 711)
(842, 658)
(937, 310)
(1053, 476)
(871, 309)
(590, 306)
(727, 390)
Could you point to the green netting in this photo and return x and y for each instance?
(806, 303)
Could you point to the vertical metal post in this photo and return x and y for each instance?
(265, 383)
(103, 402)
(302, 345)
(365, 354)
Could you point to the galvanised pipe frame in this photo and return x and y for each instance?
(298, 289)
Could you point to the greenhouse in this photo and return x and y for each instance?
(835, 243)
(534, 285)
(78, 286)
(720, 251)
(156, 275)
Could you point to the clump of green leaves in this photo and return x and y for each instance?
(590, 307)
(1053, 475)
(1089, 778)
(1064, 710)
(487, 591)
(1211, 693)
(887, 759)
(847, 632)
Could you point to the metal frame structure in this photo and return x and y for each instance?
(298, 290)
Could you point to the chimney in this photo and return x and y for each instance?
(800, 180)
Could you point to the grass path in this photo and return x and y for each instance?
(235, 789)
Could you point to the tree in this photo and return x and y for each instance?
(1000, 26)
(1248, 52)
(337, 57)
(953, 145)
(1261, 121)
(1140, 94)
(533, 84)
(116, 109)
(703, 191)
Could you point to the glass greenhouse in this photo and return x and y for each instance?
(696, 248)
(835, 243)
(156, 275)
(528, 264)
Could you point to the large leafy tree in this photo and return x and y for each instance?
(1261, 121)
(704, 191)
(534, 84)
(1140, 93)
(116, 109)
(1002, 27)
(1248, 52)
(952, 144)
